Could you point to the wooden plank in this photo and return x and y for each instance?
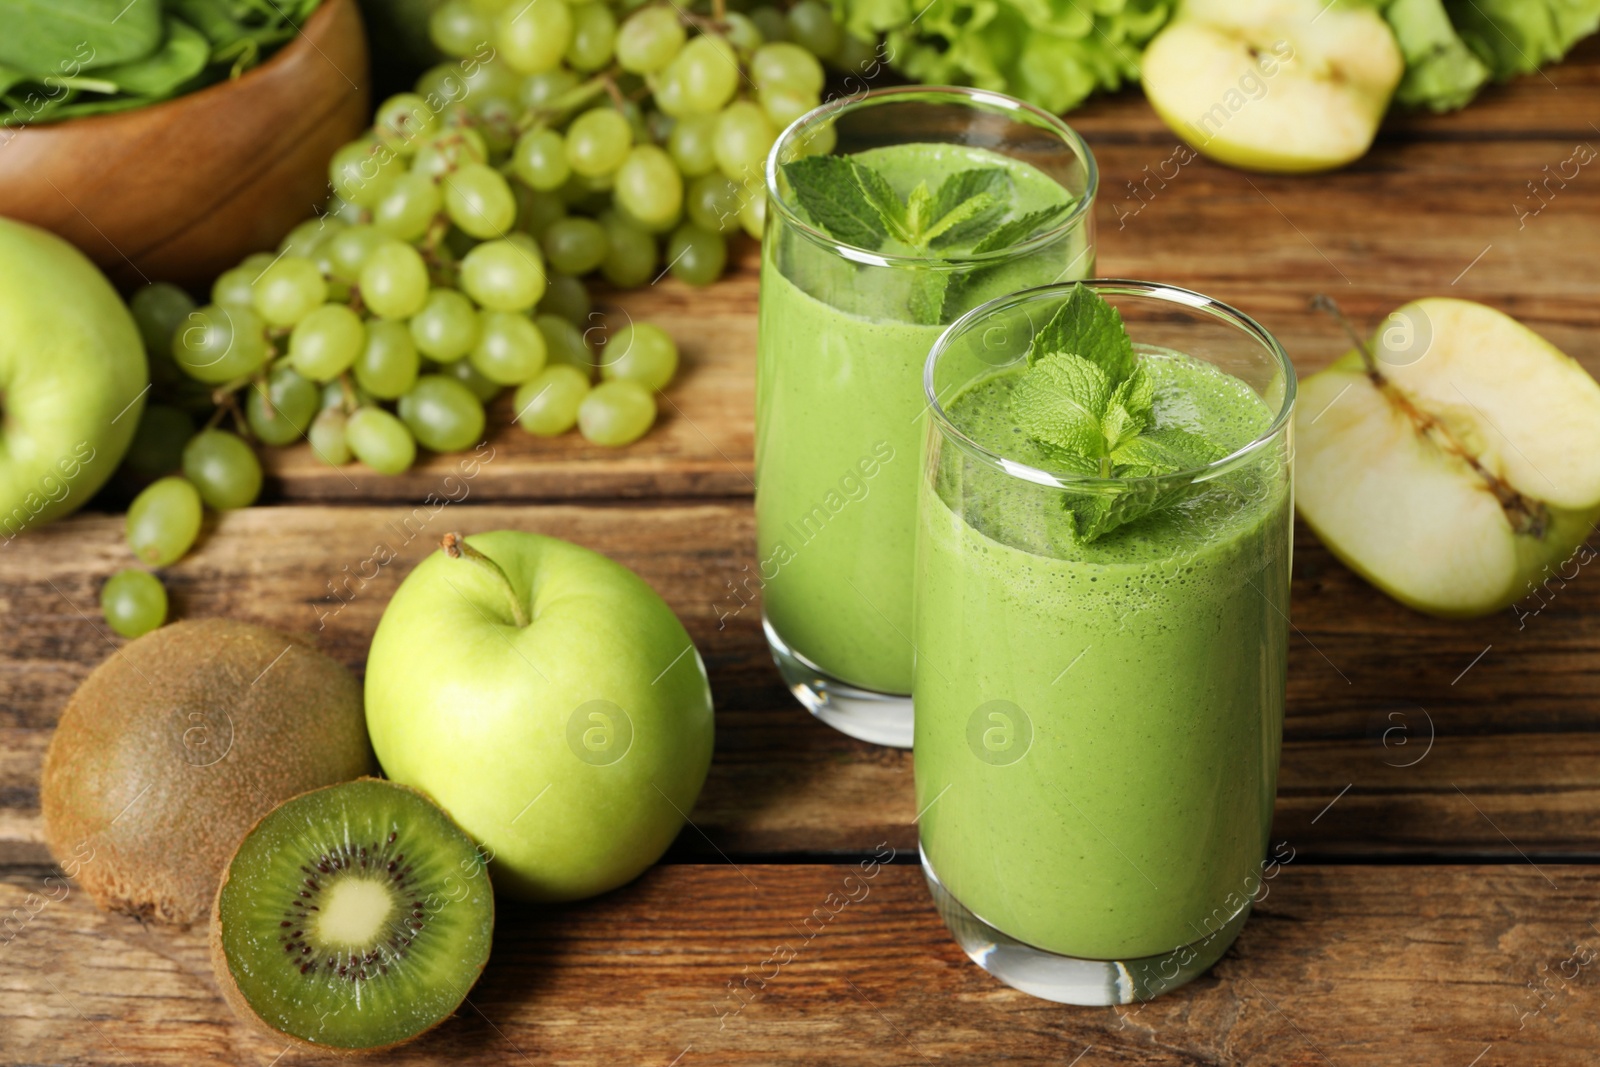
(1339, 965)
(1413, 733)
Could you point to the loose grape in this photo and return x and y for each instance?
(478, 200)
(327, 437)
(753, 212)
(289, 290)
(405, 121)
(648, 185)
(575, 245)
(223, 468)
(640, 352)
(388, 364)
(594, 34)
(742, 33)
(380, 440)
(770, 21)
(540, 159)
(362, 170)
(163, 521)
(533, 38)
(456, 29)
(442, 414)
(280, 409)
(449, 150)
(714, 203)
(692, 145)
(538, 210)
(649, 40)
(134, 602)
(347, 251)
(565, 296)
(540, 90)
(697, 256)
(548, 405)
(503, 275)
(616, 412)
(464, 372)
(510, 348)
(158, 310)
(710, 72)
(630, 253)
(743, 136)
(447, 326)
(598, 141)
(782, 65)
(394, 281)
(325, 342)
(218, 344)
(409, 207)
(811, 25)
(234, 287)
(157, 445)
(784, 106)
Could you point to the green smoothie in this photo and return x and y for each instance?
(1097, 725)
(840, 417)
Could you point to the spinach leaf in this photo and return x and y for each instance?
(67, 37)
(180, 58)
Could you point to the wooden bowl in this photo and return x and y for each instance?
(182, 190)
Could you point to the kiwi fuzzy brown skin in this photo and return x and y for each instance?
(235, 998)
(177, 744)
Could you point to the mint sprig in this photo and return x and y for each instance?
(1090, 406)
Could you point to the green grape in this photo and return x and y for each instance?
(223, 468)
(503, 275)
(784, 106)
(380, 440)
(709, 69)
(565, 296)
(533, 38)
(630, 252)
(536, 211)
(478, 200)
(743, 136)
(456, 29)
(449, 150)
(163, 521)
(856, 56)
(770, 21)
(486, 80)
(409, 207)
(388, 364)
(308, 236)
(648, 186)
(598, 141)
(575, 245)
(540, 90)
(324, 343)
(594, 35)
(692, 145)
(446, 327)
(753, 212)
(464, 372)
(442, 414)
(234, 287)
(812, 27)
(510, 348)
(394, 280)
(157, 446)
(158, 310)
(279, 409)
(343, 210)
(218, 344)
(668, 87)
(327, 437)
(405, 121)
(347, 251)
(362, 170)
(616, 412)
(540, 159)
(640, 352)
(134, 602)
(742, 33)
(289, 290)
(256, 262)
(819, 140)
(650, 38)
(714, 203)
(782, 65)
(565, 343)
(339, 393)
(697, 256)
(548, 404)
(498, 120)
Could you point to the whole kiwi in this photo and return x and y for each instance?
(177, 744)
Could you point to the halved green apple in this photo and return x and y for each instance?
(1452, 460)
(1274, 85)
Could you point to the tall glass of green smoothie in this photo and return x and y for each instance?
(1101, 621)
(889, 215)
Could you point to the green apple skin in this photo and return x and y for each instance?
(72, 378)
(479, 714)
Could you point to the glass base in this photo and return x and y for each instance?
(1068, 980)
(877, 718)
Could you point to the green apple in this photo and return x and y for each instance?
(72, 378)
(1452, 460)
(550, 701)
(1274, 85)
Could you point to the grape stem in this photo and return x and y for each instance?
(455, 547)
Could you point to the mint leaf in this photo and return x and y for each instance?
(964, 185)
(928, 291)
(1017, 230)
(918, 206)
(1166, 451)
(836, 199)
(891, 209)
(1087, 325)
(1129, 411)
(1061, 403)
(967, 202)
(962, 218)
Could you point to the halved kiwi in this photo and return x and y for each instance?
(352, 917)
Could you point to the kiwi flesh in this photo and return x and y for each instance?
(352, 918)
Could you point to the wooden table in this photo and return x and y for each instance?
(1441, 780)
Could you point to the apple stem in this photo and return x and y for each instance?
(455, 546)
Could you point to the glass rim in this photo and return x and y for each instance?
(1171, 294)
(951, 94)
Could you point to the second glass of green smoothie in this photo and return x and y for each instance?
(889, 215)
